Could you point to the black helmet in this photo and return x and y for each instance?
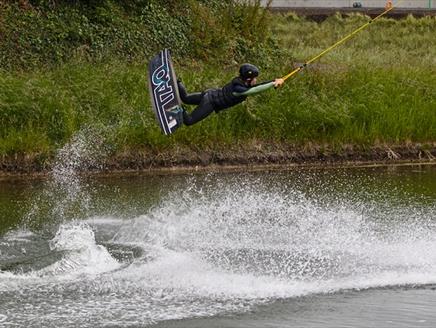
(248, 71)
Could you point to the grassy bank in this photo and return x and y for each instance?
(379, 88)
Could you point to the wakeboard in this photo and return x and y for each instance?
(164, 92)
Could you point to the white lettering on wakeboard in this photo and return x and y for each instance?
(161, 79)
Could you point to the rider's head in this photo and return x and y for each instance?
(248, 73)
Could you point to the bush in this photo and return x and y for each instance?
(46, 33)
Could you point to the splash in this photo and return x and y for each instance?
(66, 195)
(82, 255)
(281, 236)
(223, 246)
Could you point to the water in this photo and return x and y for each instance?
(298, 248)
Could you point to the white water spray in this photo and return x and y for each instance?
(224, 246)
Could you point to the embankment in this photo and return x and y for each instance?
(70, 69)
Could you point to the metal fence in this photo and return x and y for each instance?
(423, 4)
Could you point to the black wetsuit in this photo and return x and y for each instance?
(212, 100)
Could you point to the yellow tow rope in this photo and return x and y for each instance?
(389, 7)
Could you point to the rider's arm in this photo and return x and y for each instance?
(258, 88)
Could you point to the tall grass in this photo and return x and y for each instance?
(378, 88)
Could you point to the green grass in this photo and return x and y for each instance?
(378, 88)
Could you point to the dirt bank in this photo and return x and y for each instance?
(255, 154)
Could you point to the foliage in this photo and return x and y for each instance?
(71, 64)
(47, 32)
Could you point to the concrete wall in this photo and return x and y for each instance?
(349, 3)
